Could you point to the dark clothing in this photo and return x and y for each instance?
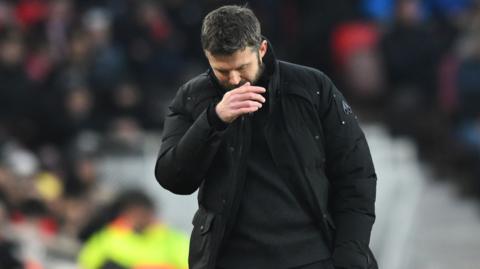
(316, 145)
(469, 88)
(266, 202)
(324, 264)
(17, 104)
(8, 258)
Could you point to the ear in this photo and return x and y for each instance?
(263, 48)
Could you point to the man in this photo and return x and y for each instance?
(134, 239)
(284, 173)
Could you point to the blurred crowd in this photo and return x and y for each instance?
(415, 66)
(82, 80)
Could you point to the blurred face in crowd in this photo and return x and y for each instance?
(60, 9)
(127, 95)
(12, 51)
(147, 12)
(79, 102)
(86, 171)
(238, 68)
(408, 12)
(75, 213)
(79, 47)
(140, 217)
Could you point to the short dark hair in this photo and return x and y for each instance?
(230, 28)
(133, 198)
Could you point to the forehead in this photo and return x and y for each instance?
(232, 61)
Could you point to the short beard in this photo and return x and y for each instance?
(261, 69)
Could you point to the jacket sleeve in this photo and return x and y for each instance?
(187, 149)
(351, 173)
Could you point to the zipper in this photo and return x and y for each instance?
(240, 180)
(240, 171)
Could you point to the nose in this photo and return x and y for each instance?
(234, 78)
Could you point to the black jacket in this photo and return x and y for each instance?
(314, 139)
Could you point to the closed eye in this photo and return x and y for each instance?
(242, 67)
(226, 72)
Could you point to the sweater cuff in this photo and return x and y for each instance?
(214, 120)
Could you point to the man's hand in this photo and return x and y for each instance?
(242, 100)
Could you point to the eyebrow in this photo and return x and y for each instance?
(226, 70)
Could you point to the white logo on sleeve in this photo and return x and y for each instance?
(346, 108)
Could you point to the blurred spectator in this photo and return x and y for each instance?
(82, 177)
(81, 81)
(465, 74)
(133, 239)
(6, 15)
(108, 65)
(57, 27)
(14, 86)
(127, 100)
(124, 136)
(8, 249)
(75, 116)
(380, 10)
(468, 80)
(357, 58)
(153, 45)
(31, 12)
(82, 181)
(33, 229)
(410, 55)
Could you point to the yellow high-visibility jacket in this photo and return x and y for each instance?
(157, 247)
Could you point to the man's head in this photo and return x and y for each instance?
(137, 208)
(231, 39)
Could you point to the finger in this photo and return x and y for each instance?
(245, 104)
(246, 84)
(248, 88)
(248, 96)
(246, 110)
(238, 89)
